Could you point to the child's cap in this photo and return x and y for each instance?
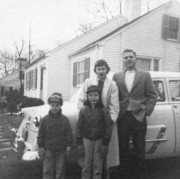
(55, 97)
(93, 88)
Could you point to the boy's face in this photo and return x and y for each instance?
(93, 97)
(54, 107)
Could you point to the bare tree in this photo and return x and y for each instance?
(97, 12)
(8, 62)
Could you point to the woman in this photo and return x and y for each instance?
(110, 99)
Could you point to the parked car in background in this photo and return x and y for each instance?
(163, 132)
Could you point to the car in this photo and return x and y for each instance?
(163, 131)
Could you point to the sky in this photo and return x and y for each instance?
(48, 21)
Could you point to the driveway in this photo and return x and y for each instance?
(11, 168)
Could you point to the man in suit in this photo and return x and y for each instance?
(137, 98)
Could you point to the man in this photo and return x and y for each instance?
(137, 98)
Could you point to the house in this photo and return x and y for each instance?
(14, 80)
(155, 36)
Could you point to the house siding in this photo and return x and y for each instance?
(59, 78)
(146, 40)
(111, 52)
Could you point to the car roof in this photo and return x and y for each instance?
(164, 74)
(157, 74)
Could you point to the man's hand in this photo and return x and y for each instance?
(68, 149)
(80, 150)
(104, 151)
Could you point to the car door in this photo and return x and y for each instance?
(174, 92)
(160, 137)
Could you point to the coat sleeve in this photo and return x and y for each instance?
(68, 133)
(151, 95)
(79, 128)
(41, 134)
(108, 127)
(113, 103)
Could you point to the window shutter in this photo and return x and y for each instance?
(75, 74)
(36, 71)
(27, 80)
(179, 31)
(165, 26)
(31, 79)
(86, 68)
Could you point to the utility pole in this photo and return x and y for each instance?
(29, 46)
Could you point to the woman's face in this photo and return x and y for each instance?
(101, 72)
(93, 97)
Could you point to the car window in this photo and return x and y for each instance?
(159, 86)
(174, 86)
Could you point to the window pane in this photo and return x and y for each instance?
(156, 65)
(160, 90)
(173, 28)
(174, 87)
(143, 64)
(83, 71)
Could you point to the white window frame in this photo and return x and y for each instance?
(152, 59)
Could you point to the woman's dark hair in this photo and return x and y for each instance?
(98, 104)
(101, 62)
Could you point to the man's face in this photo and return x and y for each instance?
(55, 107)
(129, 60)
(93, 97)
(101, 72)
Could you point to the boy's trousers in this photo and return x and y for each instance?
(93, 162)
(54, 165)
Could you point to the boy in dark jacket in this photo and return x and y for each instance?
(54, 139)
(93, 133)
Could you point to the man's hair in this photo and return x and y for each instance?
(101, 62)
(129, 50)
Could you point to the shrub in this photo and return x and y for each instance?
(12, 107)
(29, 102)
(3, 104)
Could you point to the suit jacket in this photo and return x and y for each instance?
(110, 99)
(141, 98)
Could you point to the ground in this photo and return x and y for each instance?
(11, 168)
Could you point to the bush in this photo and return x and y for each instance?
(3, 104)
(29, 102)
(12, 107)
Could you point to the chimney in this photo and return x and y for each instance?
(132, 9)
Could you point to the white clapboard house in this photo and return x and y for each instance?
(155, 36)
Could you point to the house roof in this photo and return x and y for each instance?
(120, 28)
(35, 61)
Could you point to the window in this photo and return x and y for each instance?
(31, 79)
(147, 64)
(174, 86)
(144, 64)
(170, 28)
(81, 71)
(156, 65)
(159, 86)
